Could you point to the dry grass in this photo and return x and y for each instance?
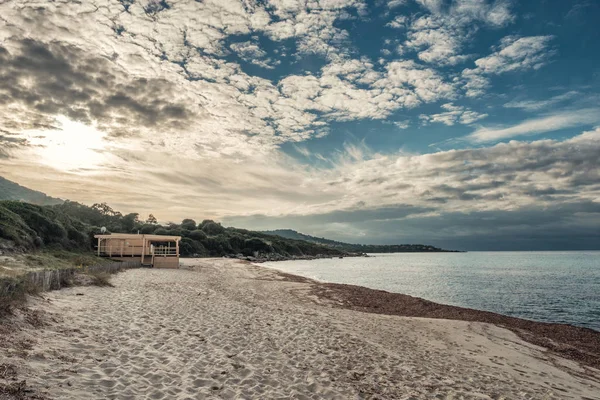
(100, 279)
(18, 391)
(8, 371)
(13, 294)
(20, 264)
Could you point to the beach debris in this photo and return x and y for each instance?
(8, 371)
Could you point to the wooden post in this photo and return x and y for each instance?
(177, 248)
(99, 244)
(143, 248)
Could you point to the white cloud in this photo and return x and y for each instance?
(175, 112)
(439, 37)
(440, 45)
(547, 123)
(398, 22)
(453, 114)
(465, 181)
(536, 105)
(513, 54)
(425, 84)
(402, 124)
(252, 53)
(517, 54)
(396, 3)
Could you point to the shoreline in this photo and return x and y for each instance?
(569, 341)
(227, 329)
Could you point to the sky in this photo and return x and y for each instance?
(466, 124)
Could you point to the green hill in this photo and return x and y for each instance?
(32, 220)
(71, 226)
(13, 191)
(356, 248)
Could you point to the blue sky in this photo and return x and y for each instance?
(365, 121)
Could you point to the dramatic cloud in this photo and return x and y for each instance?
(477, 195)
(295, 111)
(55, 79)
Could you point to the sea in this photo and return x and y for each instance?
(547, 286)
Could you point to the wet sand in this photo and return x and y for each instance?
(224, 329)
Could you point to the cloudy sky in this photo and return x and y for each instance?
(470, 124)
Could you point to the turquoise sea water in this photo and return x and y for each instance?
(548, 286)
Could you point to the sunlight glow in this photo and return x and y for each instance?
(75, 147)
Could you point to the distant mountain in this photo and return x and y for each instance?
(13, 191)
(363, 248)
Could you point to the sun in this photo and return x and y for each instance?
(74, 147)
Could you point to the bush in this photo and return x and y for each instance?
(188, 224)
(42, 220)
(256, 244)
(13, 228)
(212, 228)
(237, 243)
(197, 235)
(161, 231)
(12, 294)
(189, 247)
(174, 232)
(100, 279)
(148, 229)
(217, 246)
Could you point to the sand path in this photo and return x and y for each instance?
(228, 330)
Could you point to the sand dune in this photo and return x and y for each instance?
(226, 330)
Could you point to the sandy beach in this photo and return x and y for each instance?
(224, 329)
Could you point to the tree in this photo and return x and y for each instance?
(152, 220)
(256, 245)
(148, 228)
(212, 228)
(204, 222)
(161, 231)
(188, 224)
(105, 209)
(129, 221)
(197, 235)
(189, 247)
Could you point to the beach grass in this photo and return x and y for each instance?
(101, 279)
(15, 265)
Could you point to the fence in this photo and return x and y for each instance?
(55, 279)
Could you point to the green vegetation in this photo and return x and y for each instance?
(356, 248)
(17, 264)
(70, 227)
(13, 191)
(13, 293)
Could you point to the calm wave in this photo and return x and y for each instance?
(559, 287)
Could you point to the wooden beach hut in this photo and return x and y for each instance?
(158, 251)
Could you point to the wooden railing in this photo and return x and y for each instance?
(120, 251)
(165, 251)
(134, 251)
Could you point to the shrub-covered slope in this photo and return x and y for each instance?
(13, 191)
(361, 248)
(71, 226)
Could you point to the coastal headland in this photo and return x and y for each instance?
(228, 329)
